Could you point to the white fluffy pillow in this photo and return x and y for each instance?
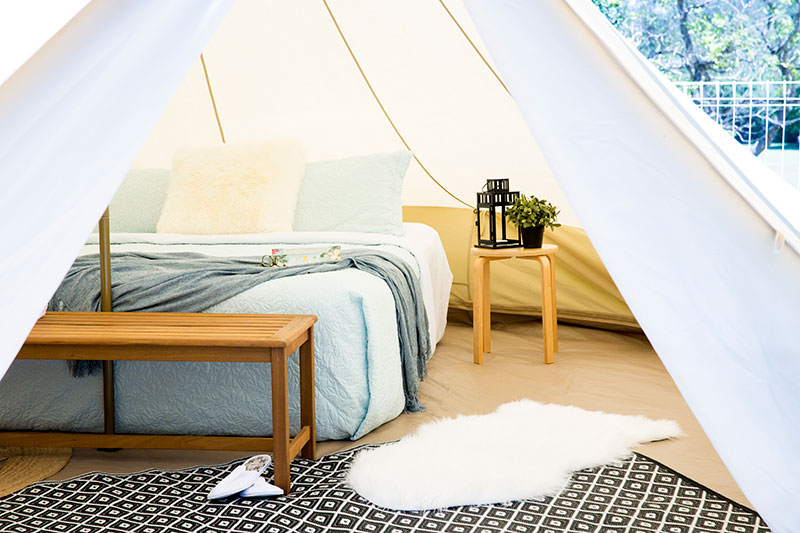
(234, 188)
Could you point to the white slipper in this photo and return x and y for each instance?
(242, 477)
(260, 489)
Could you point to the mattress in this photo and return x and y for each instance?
(358, 369)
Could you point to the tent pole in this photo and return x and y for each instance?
(105, 263)
(105, 305)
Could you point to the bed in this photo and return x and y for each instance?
(359, 382)
(359, 378)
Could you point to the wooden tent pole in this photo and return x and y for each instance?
(105, 264)
(105, 305)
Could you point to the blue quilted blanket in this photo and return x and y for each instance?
(191, 283)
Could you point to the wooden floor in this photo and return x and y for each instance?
(599, 370)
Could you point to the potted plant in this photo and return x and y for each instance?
(531, 216)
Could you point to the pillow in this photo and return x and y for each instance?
(138, 201)
(354, 194)
(244, 188)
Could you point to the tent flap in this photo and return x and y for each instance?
(72, 120)
(690, 247)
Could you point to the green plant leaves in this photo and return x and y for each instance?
(530, 212)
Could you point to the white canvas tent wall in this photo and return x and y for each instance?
(73, 119)
(26, 27)
(686, 221)
(289, 76)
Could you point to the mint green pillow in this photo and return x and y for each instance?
(137, 203)
(354, 194)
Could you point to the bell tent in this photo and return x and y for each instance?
(700, 238)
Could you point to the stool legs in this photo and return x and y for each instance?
(481, 310)
(481, 305)
(548, 309)
(280, 418)
(487, 308)
(307, 400)
(553, 294)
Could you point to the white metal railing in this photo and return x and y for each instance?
(763, 115)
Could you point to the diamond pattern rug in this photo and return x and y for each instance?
(637, 496)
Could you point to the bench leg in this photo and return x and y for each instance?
(307, 401)
(280, 418)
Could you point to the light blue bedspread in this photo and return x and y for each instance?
(193, 283)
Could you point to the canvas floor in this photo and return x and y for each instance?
(594, 369)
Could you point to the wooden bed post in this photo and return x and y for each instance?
(105, 306)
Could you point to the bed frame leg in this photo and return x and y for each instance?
(108, 403)
(108, 397)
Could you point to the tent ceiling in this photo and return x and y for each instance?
(280, 69)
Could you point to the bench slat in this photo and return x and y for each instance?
(169, 329)
(175, 442)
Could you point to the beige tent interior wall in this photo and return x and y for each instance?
(280, 70)
(586, 293)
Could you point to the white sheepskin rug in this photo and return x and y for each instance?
(522, 450)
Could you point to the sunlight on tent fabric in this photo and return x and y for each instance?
(290, 75)
(26, 26)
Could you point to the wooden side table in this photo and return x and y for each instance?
(481, 303)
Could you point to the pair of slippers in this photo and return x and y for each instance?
(246, 481)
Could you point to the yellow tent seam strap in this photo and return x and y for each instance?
(213, 101)
(383, 109)
(464, 33)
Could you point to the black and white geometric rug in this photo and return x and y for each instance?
(637, 496)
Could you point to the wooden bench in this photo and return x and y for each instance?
(183, 337)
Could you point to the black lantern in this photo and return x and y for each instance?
(495, 197)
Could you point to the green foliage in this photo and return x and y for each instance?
(530, 212)
(704, 40)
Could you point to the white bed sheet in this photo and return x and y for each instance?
(419, 240)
